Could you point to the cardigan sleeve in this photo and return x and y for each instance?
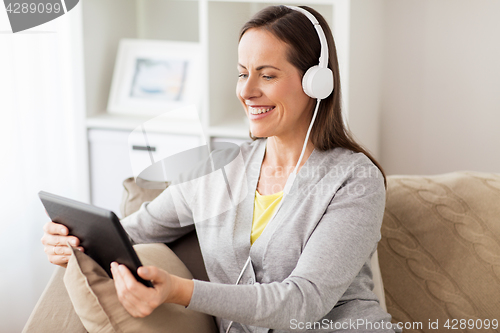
(162, 220)
(334, 254)
(170, 215)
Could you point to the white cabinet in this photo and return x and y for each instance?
(109, 166)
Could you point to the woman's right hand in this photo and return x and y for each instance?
(55, 238)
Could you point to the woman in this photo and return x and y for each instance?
(307, 266)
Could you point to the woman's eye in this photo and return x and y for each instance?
(268, 77)
(242, 76)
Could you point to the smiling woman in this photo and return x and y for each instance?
(297, 248)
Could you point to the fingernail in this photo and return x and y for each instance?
(73, 242)
(63, 231)
(145, 270)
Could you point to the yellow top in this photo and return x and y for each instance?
(263, 210)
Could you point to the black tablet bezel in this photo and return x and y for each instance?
(100, 232)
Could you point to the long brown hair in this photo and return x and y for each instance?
(296, 30)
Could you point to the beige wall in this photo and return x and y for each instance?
(440, 105)
(366, 50)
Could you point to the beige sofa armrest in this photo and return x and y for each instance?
(54, 312)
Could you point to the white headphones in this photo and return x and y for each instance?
(318, 80)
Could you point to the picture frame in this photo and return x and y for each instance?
(152, 77)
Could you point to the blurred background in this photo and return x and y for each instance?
(420, 81)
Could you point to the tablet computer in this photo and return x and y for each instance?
(99, 230)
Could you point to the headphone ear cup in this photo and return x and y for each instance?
(317, 82)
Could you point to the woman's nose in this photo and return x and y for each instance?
(249, 89)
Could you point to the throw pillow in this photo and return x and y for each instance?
(134, 195)
(94, 297)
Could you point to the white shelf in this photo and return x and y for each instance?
(235, 127)
(129, 123)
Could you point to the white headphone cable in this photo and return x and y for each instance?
(292, 176)
(243, 270)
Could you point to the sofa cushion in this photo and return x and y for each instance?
(134, 195)
(440, 248)
(94, 297)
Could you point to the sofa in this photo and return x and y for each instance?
(440, 252)
(439, 256)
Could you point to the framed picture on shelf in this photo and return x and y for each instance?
(154, 77)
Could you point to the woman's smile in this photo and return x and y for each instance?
(256, 112)
(259, 109)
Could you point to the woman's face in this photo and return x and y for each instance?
(270, 87)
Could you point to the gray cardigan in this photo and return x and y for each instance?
(310, 268)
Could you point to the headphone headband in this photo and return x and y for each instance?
(323, 58)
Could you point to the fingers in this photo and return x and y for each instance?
(60, 260)
(55, 240)
(55, 228)
(55, 235)
(130, 283)
(137, 299)
(147, 273)
(127, 298)
(57, 250)
(152, 273)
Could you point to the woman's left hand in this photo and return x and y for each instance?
(137, 299)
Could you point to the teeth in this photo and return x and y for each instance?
(253, 110)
